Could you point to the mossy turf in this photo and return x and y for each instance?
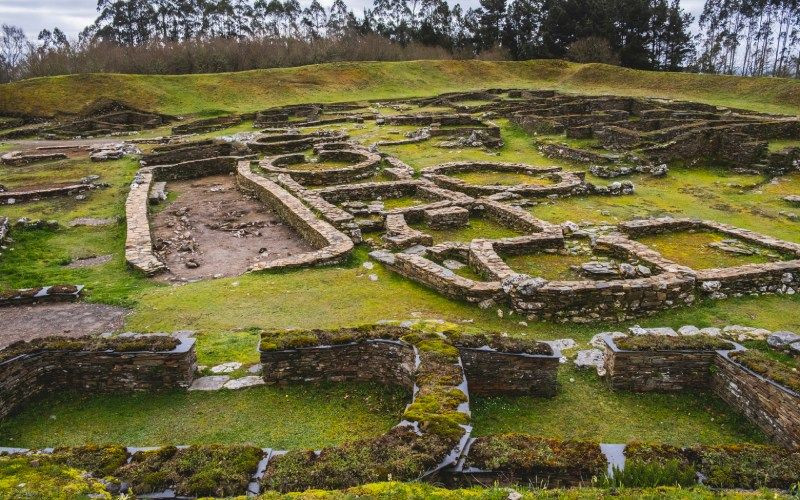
(304, 416)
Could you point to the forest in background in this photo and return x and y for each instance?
(745, 37)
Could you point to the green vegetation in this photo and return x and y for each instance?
(302, 416)
(551, 266)
(494, 178)
(663, 343)
(783, 372)
(254, 90)
(694, 249)
(21, 478)
(198, 470)
(152, 343)
(522, 453)
(478, 227)
(612, 416)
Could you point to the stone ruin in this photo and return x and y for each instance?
(338, 192)
(104, 117)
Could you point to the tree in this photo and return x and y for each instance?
(13, 47)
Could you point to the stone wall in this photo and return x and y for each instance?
(54, 293)
(564, 183)
(364, 164)
(490, 373)
(669, 371)
(332, 245)
(139, 240)
(772, 407)
(26, 376)
(383, 361)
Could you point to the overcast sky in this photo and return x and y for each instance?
(73, 15)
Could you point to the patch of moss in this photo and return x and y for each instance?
(148, 343)
(785, 374)
(212, 470)
(33, 476)
(99, 460)
(748, 466)
(665, 343)
(401, 454)
(528, 455)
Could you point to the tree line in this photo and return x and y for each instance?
(190, 36)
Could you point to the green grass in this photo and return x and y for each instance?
(253, 90)
(297, 416)
(691, 248)
(478, 227)
(585, 408)
(494, 178)
(550, 266)
(778, 145)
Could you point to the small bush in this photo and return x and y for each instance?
(639, 474)
(592, 49)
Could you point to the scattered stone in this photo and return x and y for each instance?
(742, 333)
(711, 331)
(795, 347)
(89, 262)
(779, 340)
(688, 330)
(368, 265)
(597, 340)
(794, 199)
(243, 382)
(226, 367)
(91, 222)
(373, 277)
(659, 331)
(256, 369)
(591, 358)
(563, 344)
(210, 383)
(453, 265)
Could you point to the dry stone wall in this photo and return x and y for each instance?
(28, 375)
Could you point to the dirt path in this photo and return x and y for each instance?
(213, 230)
(63, 319)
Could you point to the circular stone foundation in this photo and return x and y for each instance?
(361, 164)
(560, 181)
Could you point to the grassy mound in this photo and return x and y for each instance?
(252, 90)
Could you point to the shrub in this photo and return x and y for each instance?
(638, 474)
(748, 466)
(592, 49)
(664, 343)
(785, 374)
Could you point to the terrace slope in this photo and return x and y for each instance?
(258, 89)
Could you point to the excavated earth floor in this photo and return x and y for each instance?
(213, 230)
(63, 319)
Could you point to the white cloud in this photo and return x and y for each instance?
(73, 15)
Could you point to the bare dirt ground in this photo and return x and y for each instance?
(62, 319)
(213, 230)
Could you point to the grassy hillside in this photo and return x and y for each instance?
(253, 90)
